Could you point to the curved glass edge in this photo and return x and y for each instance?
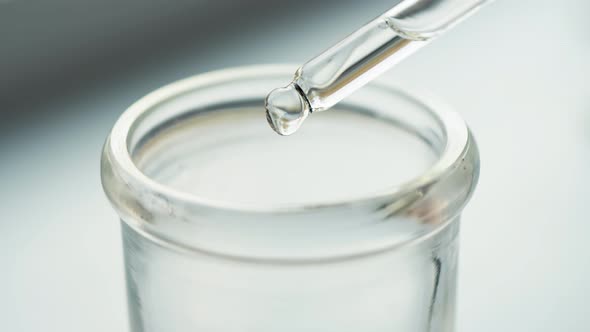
(436, 198)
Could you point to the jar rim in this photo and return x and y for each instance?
(117, 157)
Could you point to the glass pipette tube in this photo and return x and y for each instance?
(362, 56)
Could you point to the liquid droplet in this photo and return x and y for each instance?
(286, 109)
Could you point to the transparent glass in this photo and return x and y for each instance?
(349, 225)
(362, 56)
(376, 47)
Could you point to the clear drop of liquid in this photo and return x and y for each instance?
(286, 109)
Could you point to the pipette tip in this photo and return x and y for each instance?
(286, 109)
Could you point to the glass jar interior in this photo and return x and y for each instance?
(230, 155)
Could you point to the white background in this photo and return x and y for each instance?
(517, 71)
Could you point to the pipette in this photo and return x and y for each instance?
(362, 56)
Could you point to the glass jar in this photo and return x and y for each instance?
(348, 225)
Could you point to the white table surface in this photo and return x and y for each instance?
(518, 72)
